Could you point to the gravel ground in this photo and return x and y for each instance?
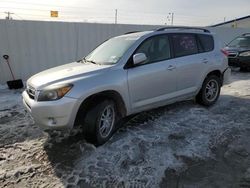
(181, 145)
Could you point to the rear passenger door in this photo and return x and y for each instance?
(191, 65)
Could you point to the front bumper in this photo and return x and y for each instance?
(58, 114)
(239, 62)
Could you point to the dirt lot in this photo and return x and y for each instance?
(181, 145)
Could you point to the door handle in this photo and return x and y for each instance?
(205, 61)
(171, 67)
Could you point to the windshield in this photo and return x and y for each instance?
(111, 51)
(240, 42)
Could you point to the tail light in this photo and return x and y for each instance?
(224, 52)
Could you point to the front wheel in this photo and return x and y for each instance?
(101, 121)
(210, 91)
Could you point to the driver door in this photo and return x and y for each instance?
(154, 81)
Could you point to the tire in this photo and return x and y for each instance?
(210, 91)
(100, 122)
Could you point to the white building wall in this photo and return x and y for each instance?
(226, 35)
(244, 23)
(34, 46)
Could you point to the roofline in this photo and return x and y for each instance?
(182, 28)
(223, 23)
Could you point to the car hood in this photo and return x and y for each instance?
(237, 49)
(65, 72)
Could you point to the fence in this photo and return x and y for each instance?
(34, 46)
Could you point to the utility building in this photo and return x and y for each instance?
(243, 22)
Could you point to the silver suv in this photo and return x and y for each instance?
(125, 75)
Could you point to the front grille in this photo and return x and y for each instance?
(31, 92)
(232, 54)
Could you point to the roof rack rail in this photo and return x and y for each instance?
(183, 27)
(245, 34)
(131, 32)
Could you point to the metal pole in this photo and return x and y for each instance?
(172, 20)
(10, 69)
(115, 16)
(8, 17)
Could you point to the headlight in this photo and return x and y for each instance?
(244, 54)
(52, 93)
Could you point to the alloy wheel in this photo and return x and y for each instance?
(107, 121)
(212, 89)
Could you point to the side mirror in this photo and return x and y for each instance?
(139, 58)
(6, 57)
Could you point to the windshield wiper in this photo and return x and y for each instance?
(83, 60)
(88, 61)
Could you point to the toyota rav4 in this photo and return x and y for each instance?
(125, 75)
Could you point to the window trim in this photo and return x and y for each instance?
(199, 45)
(130, 64)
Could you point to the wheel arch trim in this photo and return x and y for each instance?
(94, 98)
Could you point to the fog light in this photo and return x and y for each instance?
(52, 121)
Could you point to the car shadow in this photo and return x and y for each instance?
(63, 151)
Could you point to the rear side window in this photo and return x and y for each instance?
(184, 44)
(206, 43)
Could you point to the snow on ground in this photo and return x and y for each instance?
(180, 145)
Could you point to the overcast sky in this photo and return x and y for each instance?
(186, 12)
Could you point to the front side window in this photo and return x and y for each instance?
(184, 44)
(111, 51)
(156, 49)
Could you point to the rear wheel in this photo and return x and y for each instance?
(100, 122)
(210, 91)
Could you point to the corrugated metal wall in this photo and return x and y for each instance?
(34, 46)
